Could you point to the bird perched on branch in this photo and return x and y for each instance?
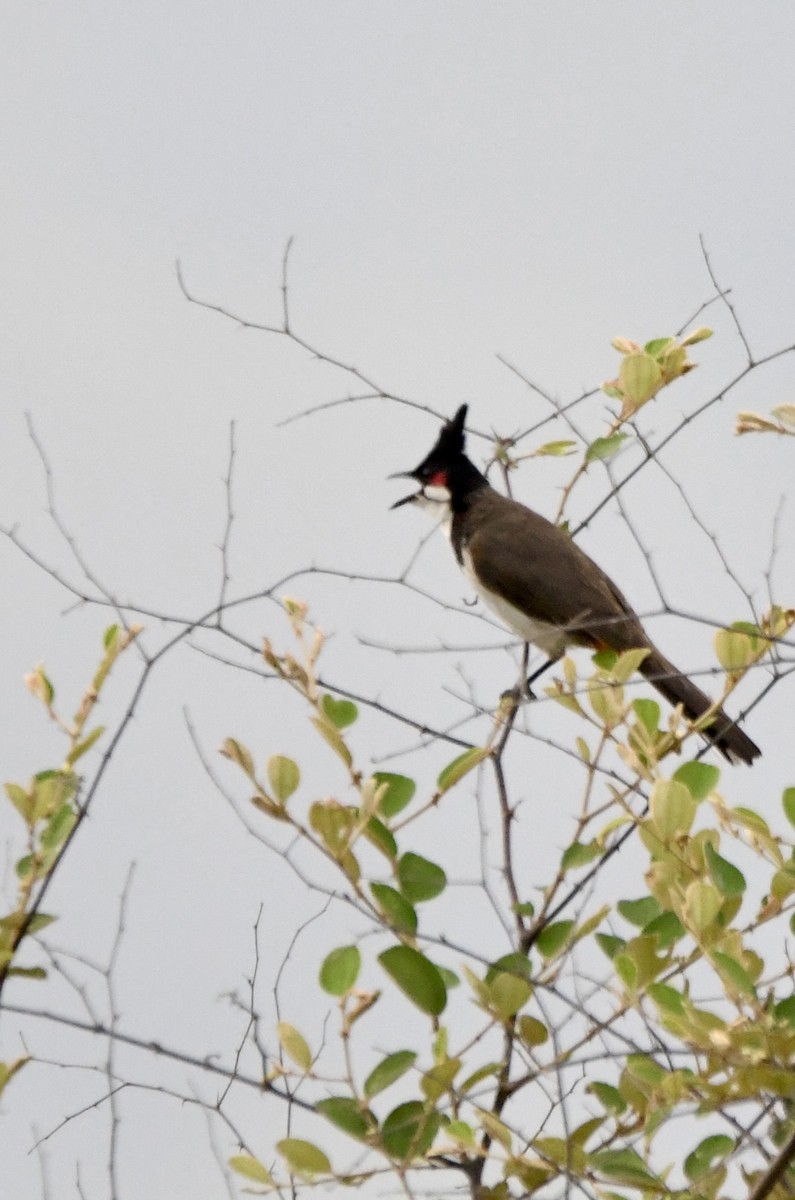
(541, 584)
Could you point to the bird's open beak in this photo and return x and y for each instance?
(406, 499)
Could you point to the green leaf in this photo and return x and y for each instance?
(450, 978)
(305, 1158)
(395, 907)
(751, 820)
(388, 1071)
(655, 346)
(400, 792)
(734, 649)
(609, 944)
(525, 909)
(608, 1096)
(702, 1160)
(579, 854)
(341, 713)
(461, 766)
(24, 866)
(497, 1128)
(340, 970)
(348, 1115)
(22, 801)
(667, 998)
(382, 838)
(672, 807)
(627, 663)
(111, 636)
(508, 993)
(639, 912)
(727, 878)
(409, 1130)
(294, 1045)
(734, 973)
(51, 789)
(623, 1166)
(702, 904)
(283, 776)
(417, 977)
(603, 448)
(462, 1133)
(785, 1010)
(640, 378)
(648, 713)
(667, 929)
(514, 963)
(83, 747)
(250, 1168)
(787, 799)
(553, 938)
(331, 734)
(492, 1068)
(419, 878)
(532, 1032)
(439, 1079)
(555, 449)
(699, 778)
(698, 335)
(783, 882)
(58, 828)
(645, 1069)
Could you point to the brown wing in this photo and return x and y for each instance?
(544, 573)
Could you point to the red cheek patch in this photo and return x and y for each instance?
(438, 479)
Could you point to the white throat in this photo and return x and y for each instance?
(435, 501)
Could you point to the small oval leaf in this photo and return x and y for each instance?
(605, 447)
(409, 1129)
(728, 879)
(294, 1045)
(461, 766)
(553, 938)
(395, 907)
(340, 970)
(419, 878)
(388, 1071)
(283, 776)
(250, 1168)
(699, 778)
(400, 792)
(341, 713)
(303, 1157)
(417, 977)
(348, 1115)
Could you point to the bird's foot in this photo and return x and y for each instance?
(522, 693)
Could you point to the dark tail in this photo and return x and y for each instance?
(724, 734)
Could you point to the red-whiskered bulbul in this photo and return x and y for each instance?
(540, 583)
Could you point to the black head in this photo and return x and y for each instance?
(446, 466)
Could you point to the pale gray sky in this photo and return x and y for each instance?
(462, 180)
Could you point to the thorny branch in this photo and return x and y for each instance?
(593, 1018)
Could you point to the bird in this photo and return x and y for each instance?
(541, 584)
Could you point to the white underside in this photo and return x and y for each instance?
(549, 638)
